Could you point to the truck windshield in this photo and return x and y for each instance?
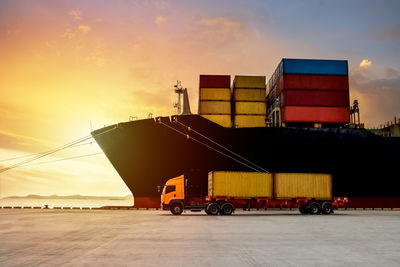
(169, 189)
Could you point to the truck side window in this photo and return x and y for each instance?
(169, 189)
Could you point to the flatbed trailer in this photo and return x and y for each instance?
(176, 199)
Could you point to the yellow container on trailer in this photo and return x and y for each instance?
(251, 108)
(243, 121)
(215, 107)
(223, 120)
(309, 185)
(249, 94)
(240, 184)
(215, 94)
(241, 81)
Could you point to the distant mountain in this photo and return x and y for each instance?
(127, 197)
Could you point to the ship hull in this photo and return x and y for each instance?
(147, 153)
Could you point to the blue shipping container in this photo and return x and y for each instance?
(315, 66)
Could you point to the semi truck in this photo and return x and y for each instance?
(308, 192)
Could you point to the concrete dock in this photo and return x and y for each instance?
(156, 238)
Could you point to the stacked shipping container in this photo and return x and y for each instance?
(215, 99)
(309, 91)
(249, 99)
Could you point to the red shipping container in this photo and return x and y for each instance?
(312, 82)
(215, 81)
(316, 82)
(315, 114)
(322, 98)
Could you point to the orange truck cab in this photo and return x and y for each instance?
(175, 198)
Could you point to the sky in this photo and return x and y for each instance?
(68, 67)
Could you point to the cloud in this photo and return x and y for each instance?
(222, 28)
(379, 97)
(80, 30)
(84, 28)
(365, 63)
(76, 14)
(390, 72)
(160, 20)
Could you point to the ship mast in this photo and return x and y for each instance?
(181, 91)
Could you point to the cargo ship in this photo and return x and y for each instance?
(298, 121)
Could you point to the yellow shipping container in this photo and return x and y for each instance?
(223, 120)
(215, 94)
(215, 107)
(251, 108)
(249, 94)
(309, 185)
(240, 184)
(249, 82)
(242, 121)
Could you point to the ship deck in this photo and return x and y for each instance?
(156, 238)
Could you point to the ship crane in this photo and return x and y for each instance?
(186, 106)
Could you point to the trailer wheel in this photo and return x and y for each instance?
(327, 208)
(304, 210)
(176, 209)
(315, 208)
(207, 209)
(227, 209)
(213, 209)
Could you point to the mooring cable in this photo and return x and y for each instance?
(49, 152)
(216, 150)
(216, 143)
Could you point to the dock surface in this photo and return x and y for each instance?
(156, 238)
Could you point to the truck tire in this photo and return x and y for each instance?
(206, 209)
(227, 209)
(213, 209)
(304, 209)
(176, 209)
(327, 208)
(315, 208)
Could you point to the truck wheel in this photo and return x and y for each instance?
(176, 209)
(304, 210)
(327, 208)
(207, 209)
(227, 209)
(213, 209)
(315, 208)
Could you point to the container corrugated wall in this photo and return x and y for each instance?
(315, 114)
(328, 98)
(248, 121)
(215, 94)
(249, 94)
(240, 184)
(315, 66)
(214, 81)
(223, 120)
(251, 82)
(215, 99)
(249, 99)
(295, 185)
(215, 107)
(250, 108)
(310, 91)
